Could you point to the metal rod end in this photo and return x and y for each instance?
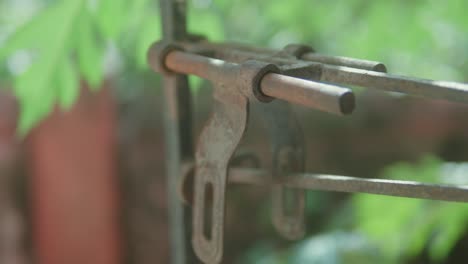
(379, 67)
(347, 102)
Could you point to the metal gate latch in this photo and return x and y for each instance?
(235, 85)
(244, 76)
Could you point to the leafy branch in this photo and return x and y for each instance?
(67, 42)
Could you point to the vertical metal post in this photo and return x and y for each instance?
(178, 128)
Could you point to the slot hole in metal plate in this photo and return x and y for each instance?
(208, 211)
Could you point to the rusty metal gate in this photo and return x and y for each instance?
(244, 76)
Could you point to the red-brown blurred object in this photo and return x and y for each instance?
(74, 184)
(12, 228)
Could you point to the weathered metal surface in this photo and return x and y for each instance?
(215, 148)
(339, 183)
(325, 97)
(234, 85)
(174, 19)
(322, 182)
(451, 91)
(346, 75)
(345, 61)
(288, 156)
(287, 144)
(295, 74)
(178, 128)
(329, 98)
(306, 56)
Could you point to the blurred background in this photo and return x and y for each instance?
(82, 176)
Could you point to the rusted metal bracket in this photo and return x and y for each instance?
(244, 76)
(288, 156)
(236, 84)
(288, 153)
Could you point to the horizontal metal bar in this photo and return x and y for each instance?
(322, 182)
(207, 68)
(309, 56)
(345, 61)
(325, 97)
(343, 75)
(451, 91)
(316, 95)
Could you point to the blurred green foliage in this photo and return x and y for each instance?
(327, 248)
(65, 41)
(403, 227)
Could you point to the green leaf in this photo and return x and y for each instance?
(401, 226)
(111, 15)
(68, 84)
(32, 34)
(139, 7)
(89, 52)
(35, 88)
(405, 227)
(450, 229)
(382, 219)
